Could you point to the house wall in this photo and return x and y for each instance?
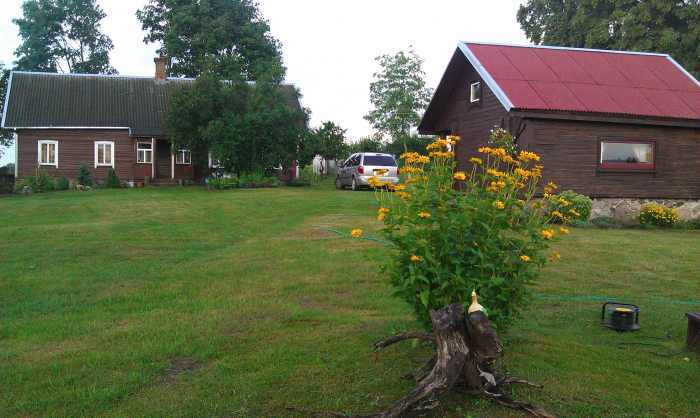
(570, 154)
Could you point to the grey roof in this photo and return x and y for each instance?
(50, 100)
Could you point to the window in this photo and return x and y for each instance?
(48, 153)
(625, 155)
(475, 92)
(144, 152)
(183, 156)
(104, 154)
(380, 160)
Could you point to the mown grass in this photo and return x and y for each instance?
(183, 302)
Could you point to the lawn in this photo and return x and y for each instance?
(182, 302)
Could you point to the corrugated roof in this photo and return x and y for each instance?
(583, 80)
(49, 100)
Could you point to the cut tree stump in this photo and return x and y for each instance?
(694, 331)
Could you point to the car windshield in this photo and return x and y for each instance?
(380, 160)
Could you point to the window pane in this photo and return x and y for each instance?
(381, 160)
(44, 153)
(108, 153)
(626, 153)
(475, 92)
(100, 154)
(52, 153)
(144, 145)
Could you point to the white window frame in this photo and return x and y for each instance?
(47, 142)
(180, 157)
(145, 151)
(472, 97)
(111, 154)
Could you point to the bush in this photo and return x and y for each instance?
(606, 222)
(222, 183)
(84, 176)
(566, 201)
(44, 183)
(454, 231)
(658, 215)
(29, 182)
(257, 179)
(62, 183)
(309, 176)
(112, 180)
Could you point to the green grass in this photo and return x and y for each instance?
(183, 302)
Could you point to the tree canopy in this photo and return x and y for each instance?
(63, 36)
(228, 37)
(328, 141)
(398, 94)
(668, 26)
(246, 127)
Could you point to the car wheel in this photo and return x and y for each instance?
(355, 187)
(338, 183)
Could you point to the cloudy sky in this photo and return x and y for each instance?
(329, 45)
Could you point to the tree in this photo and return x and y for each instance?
(63, 35)
(231, 36)
(367, 144)
(246, 127)
(398, 95)
(669, 26)
(327, 141)
(6, 135)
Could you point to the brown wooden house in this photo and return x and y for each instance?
(63, 121)
(608, 124)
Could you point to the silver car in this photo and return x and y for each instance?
(359, 168)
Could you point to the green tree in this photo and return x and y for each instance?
(229, 37)
(63, 35)
(6, 135)
(669, 26)
(328, 141)
(367, 144)
(247, 127)
(398, 94)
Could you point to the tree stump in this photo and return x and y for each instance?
(694, 331)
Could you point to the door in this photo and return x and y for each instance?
(163, 159)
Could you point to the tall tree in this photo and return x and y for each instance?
(6, 135)
(63, 35)
(670, 26)
(327, 141)
(398, 94)
(246, 127)
(230, 37)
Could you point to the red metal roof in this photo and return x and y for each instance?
(583, 80)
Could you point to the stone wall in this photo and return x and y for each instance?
(627, 210)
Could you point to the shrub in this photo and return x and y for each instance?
(454, 231)
(112, 180)
(309, 176)
(658, 215)
(257, 179)
(566, 201)
(62, 183)
(606, 222)
(84, 177)
(29, 182)
(44, 183)
(222, 183)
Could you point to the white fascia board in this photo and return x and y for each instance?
(495, 88)
(683, 70)
(7, 99)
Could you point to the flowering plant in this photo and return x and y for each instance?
(453, 231)
(659, 215)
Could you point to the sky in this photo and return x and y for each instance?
(328, 45)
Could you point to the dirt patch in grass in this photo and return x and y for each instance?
(179, 366)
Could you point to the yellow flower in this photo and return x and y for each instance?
(460, 175)
(356, 233)
(555, 256)
(557, 214)
(403, 195)
(476, 161)
(499, 205)
(399, 187)
(381, 213)
(495, 173)
(416, 258)
(526, 156)
(525, 258)
(520, 185)
(453, 139)
(522, 173)
(550, 187)
(564, 202)
(564, 231)
(574, 212)
(547, 233)
(423, 214)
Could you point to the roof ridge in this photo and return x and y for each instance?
(570, 48)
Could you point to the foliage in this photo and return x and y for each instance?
(84, 176)
(257, 179)
(652, 25)
(569, 199)
(112, 181)
(63, 35)
(328, 141)
(62, 183)
(42, 182)
(245, 127)
(6, 135)
(398, 95)
(222, 183)
(366, 144)
(229, 37)
(454, 231)
(307, 177)
(658, 215)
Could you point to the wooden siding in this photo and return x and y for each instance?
(570, 153)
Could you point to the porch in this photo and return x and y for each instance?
(157, 159)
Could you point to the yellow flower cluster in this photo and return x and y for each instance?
(526, 156)
(656, 214)
(460, 176)
(476, 161)
(494, 152)
(496, 173)
(499, 205)
(381, 213)
(547, 233)
(414, 158)
(416, 258)
(375, 182)
(525, 258)
(356, 233)
(442, 154)
(495, 186)
(411, 170)
(550, 187)
(424, 214)
(522, 173)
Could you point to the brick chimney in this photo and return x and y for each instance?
(161, 65)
